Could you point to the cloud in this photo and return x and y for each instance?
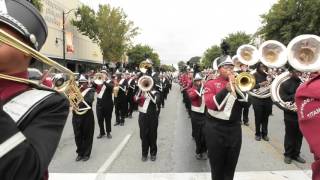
(181, 29)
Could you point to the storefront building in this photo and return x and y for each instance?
(81, 54)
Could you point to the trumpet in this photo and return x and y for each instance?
(145, 83)
(245, 81)
(68, 87)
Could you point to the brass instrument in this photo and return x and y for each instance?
(144, 66)
(273, 54)
(99, 78)
(248, 54)
(245, 81)
(275, 95)
(116, 91)
(68, 87)
(145, 83)
(303, 53)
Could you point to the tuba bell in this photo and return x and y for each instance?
(68, 86)
(145, 83)
(248, 54)
(303, 53)
(273, 54)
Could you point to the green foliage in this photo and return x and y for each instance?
(38, 4)
(181, 66)
(194, 60)
(210, 54)
(108, 27)
(167, 68)
(290, 18)
(140, 53)
(235, 40)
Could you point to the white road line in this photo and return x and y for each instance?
(251, 175)
(114, 155)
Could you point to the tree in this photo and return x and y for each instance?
(181, 66)
(37, 4)
(210, 54)
(234, 40)
(290, 18)
(140, 53)
(194, 60)
(109, 28)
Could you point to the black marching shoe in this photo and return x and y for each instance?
(100, 136)
(116, 124)
(199, 156)
(258, 138)
(266, 138)
(85, 158)
(204, 156)
(246, 123)
(287, 160)
(299, 159)
(78, 158)
(144, 158)
(109, 136)
(153, 158)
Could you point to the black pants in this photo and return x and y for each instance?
(121, 108)
(261, 115)
(292, 138)
(224, 144)
(104, 116)
(162, 99)
(83, 128)
(199, 135)
(131, 104)
(245, 112)
(148, 124)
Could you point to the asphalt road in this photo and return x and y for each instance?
(176, 150)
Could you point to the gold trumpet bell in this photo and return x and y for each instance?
(245, 81)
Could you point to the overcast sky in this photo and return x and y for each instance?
(180, 29)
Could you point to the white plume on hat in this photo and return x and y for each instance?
(225, 60)
(83, 78)
(197, 77)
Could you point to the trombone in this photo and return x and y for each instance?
(69, 88)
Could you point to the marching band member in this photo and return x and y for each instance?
(198, 116)
(121, 103)
(104, 105)
(222, 126)
(307, 100)
(245, 105)
(148, 105)
(293, 136)
(131, 93)
(31, 120)
(83, 125)
(262, 106)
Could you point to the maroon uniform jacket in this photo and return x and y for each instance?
(197, 99)
(308, 103)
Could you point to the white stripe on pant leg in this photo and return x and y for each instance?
(11, 143)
